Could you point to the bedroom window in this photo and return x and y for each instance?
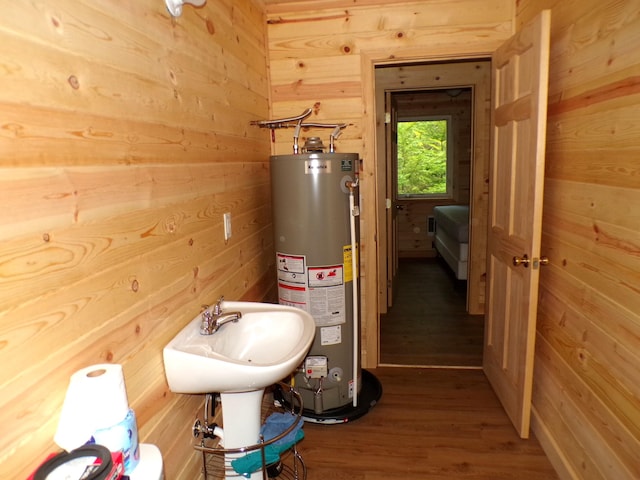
(424, 160)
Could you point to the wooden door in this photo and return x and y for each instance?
(520, 76)
(391, 132)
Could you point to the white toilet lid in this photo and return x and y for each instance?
(150, 465)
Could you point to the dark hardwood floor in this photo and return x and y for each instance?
(428, 324)
(430, 424)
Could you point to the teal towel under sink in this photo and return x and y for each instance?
(275, 425)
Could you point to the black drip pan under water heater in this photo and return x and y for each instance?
(370, 394)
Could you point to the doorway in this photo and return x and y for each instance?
(428, 317)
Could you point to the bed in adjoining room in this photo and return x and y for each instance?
(452, 237)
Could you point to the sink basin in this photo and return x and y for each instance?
(264, 346)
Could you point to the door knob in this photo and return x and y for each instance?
(540, 262)
(523, 260)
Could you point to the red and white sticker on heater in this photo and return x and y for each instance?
(326, 276)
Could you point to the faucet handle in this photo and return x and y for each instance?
(217, 309)
(205, 324)
(206, 316)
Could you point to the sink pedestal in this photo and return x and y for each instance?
(241, 421)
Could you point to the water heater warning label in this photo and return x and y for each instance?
(326, 295)
(293, 289)
(325, 276)
(347, 254)
(318, 290)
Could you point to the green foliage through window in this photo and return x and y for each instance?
(422, 158)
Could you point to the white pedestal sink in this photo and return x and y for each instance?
(239, 361)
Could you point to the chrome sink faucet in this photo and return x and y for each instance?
(212, 321)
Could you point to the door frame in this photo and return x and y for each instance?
(373, 187)
(391, 153)
(477, 80)
(421, 76)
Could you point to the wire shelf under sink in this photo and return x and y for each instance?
(215, 460)
(290, 467)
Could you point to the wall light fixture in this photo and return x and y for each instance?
(175, 6)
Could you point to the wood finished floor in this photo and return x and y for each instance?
(430, 424)
(428, 324)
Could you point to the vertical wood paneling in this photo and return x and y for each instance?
(124, 137)
(586, 397)
(322, 56)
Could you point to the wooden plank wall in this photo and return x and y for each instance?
(322, 56)
(124, 136)
(587, 366)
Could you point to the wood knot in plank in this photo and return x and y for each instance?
(73, 81)
(210, 27)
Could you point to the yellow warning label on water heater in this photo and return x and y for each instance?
(348, 265)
